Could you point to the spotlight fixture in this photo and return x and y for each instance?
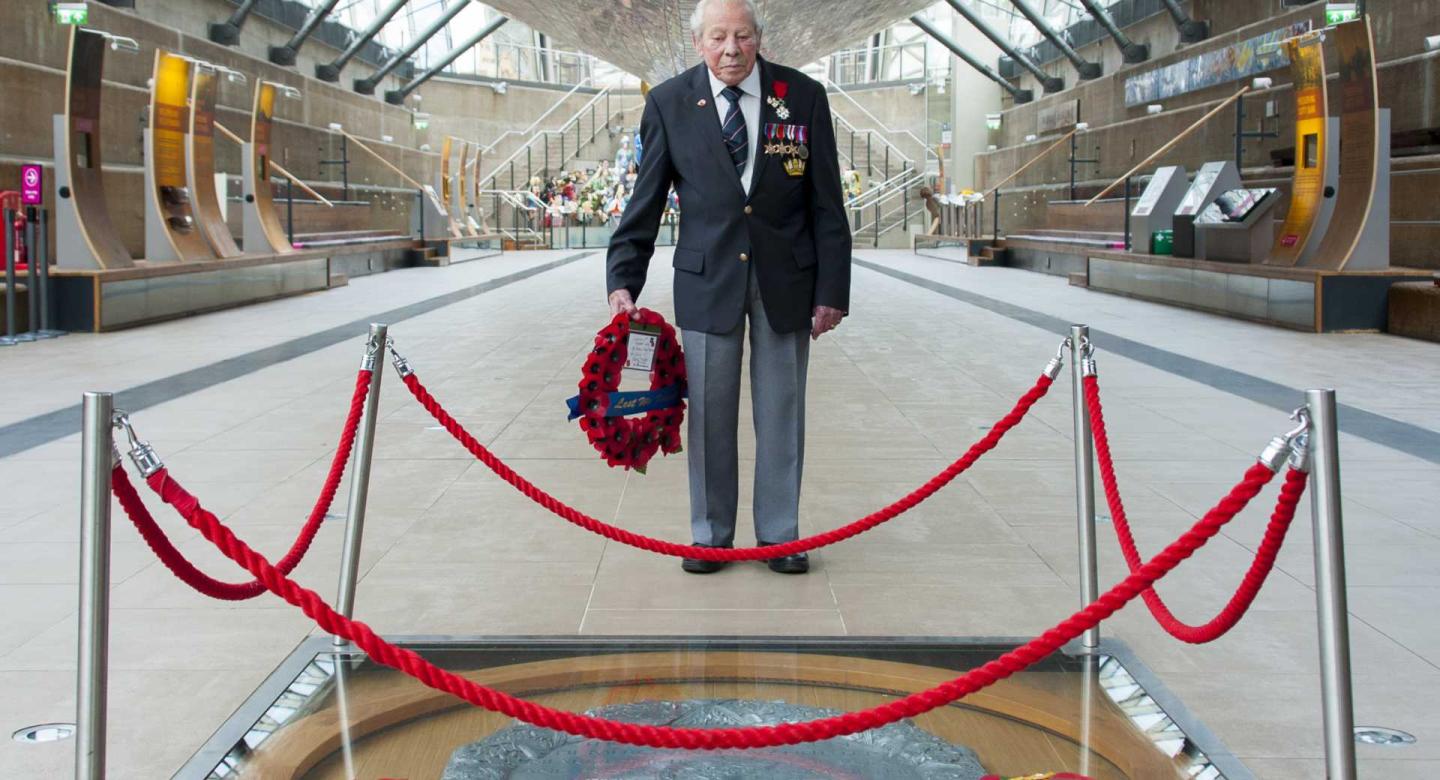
(1081, 127)
(1030, 138)
(1432, 42)
(1262, 82)
(1154, 108)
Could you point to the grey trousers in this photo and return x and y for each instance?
(778, 364)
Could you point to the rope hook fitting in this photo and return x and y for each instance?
(372, 350)
(1052, 369)
(141, 453)
(402, 366)
(1293, 445)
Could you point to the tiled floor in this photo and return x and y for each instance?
(902, 388)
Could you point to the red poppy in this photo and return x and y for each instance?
(781, 88)
(631, 442)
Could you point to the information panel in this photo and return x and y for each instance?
(169, 124)
(1307, 73)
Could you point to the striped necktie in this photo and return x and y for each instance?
(733, 130)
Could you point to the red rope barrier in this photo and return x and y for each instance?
(176, 562)
(575, 516)
(432, 676)
(1255, 577)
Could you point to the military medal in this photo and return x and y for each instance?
(802, 150)
(777, 100)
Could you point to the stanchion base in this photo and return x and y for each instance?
(1017, 727)
(50, 334)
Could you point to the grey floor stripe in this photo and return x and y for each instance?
(1386, 431)
(43, 429)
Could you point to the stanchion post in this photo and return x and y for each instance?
(360, 476)
(42, 256)
(1330, 601)
(1084, 479)
(96, 459)
(9, 340)
(32, 275)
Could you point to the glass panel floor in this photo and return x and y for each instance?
(335, 714)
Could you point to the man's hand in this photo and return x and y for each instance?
(825, 320)
(620, 300)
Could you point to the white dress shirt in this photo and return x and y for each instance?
(749, 106)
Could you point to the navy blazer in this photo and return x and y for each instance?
(793, 227)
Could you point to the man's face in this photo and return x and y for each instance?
(728, 42)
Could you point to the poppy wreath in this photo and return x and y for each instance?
(626, 441)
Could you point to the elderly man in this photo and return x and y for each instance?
(749, 147)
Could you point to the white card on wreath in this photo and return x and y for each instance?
(640, 349)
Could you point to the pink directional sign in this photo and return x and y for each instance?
(32, 185)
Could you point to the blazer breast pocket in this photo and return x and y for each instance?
(691, 260)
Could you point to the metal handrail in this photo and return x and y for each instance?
(904, 158)
(887, 188)
(881, 125)
(539, 119)
(570, 121)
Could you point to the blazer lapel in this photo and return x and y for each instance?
(767, 115)
(709, 124)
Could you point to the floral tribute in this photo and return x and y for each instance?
(631, 441)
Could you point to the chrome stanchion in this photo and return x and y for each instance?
(32, 275)
(1330, 602)
(9, 339)
(1081, 366)
(360, 476)
(42, 257)
(97, 458)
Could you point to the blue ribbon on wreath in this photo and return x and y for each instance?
(624, 403)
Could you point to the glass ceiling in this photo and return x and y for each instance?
(517, 51)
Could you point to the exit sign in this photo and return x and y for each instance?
(72, 13)
(1339, 13)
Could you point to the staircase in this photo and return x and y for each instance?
(889, 205)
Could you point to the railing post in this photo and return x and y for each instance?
(1127, 213)
(995, 216)
(97, 458)
(360, 475)
(1081, 366)
(1330, 599)
(877, 224)
(290, 210)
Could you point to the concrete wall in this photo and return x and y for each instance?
(32, 76)
(973, 95)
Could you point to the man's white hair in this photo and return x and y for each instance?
(697, 19)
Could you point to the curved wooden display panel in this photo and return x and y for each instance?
(447, 194)
(261, 125)
(1359, 146)
(467, 225)
(80, 156)
(1307, 75)
(399, 728)
(173, 232)
(208, 208)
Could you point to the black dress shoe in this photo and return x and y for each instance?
(700, 566)
(799, 563)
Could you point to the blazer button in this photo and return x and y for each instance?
(744, 257)
(748, 209)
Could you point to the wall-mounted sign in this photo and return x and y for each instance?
(1338, 13)
(419, 120)
(72, 13)
(32, 184)
(992, 121)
